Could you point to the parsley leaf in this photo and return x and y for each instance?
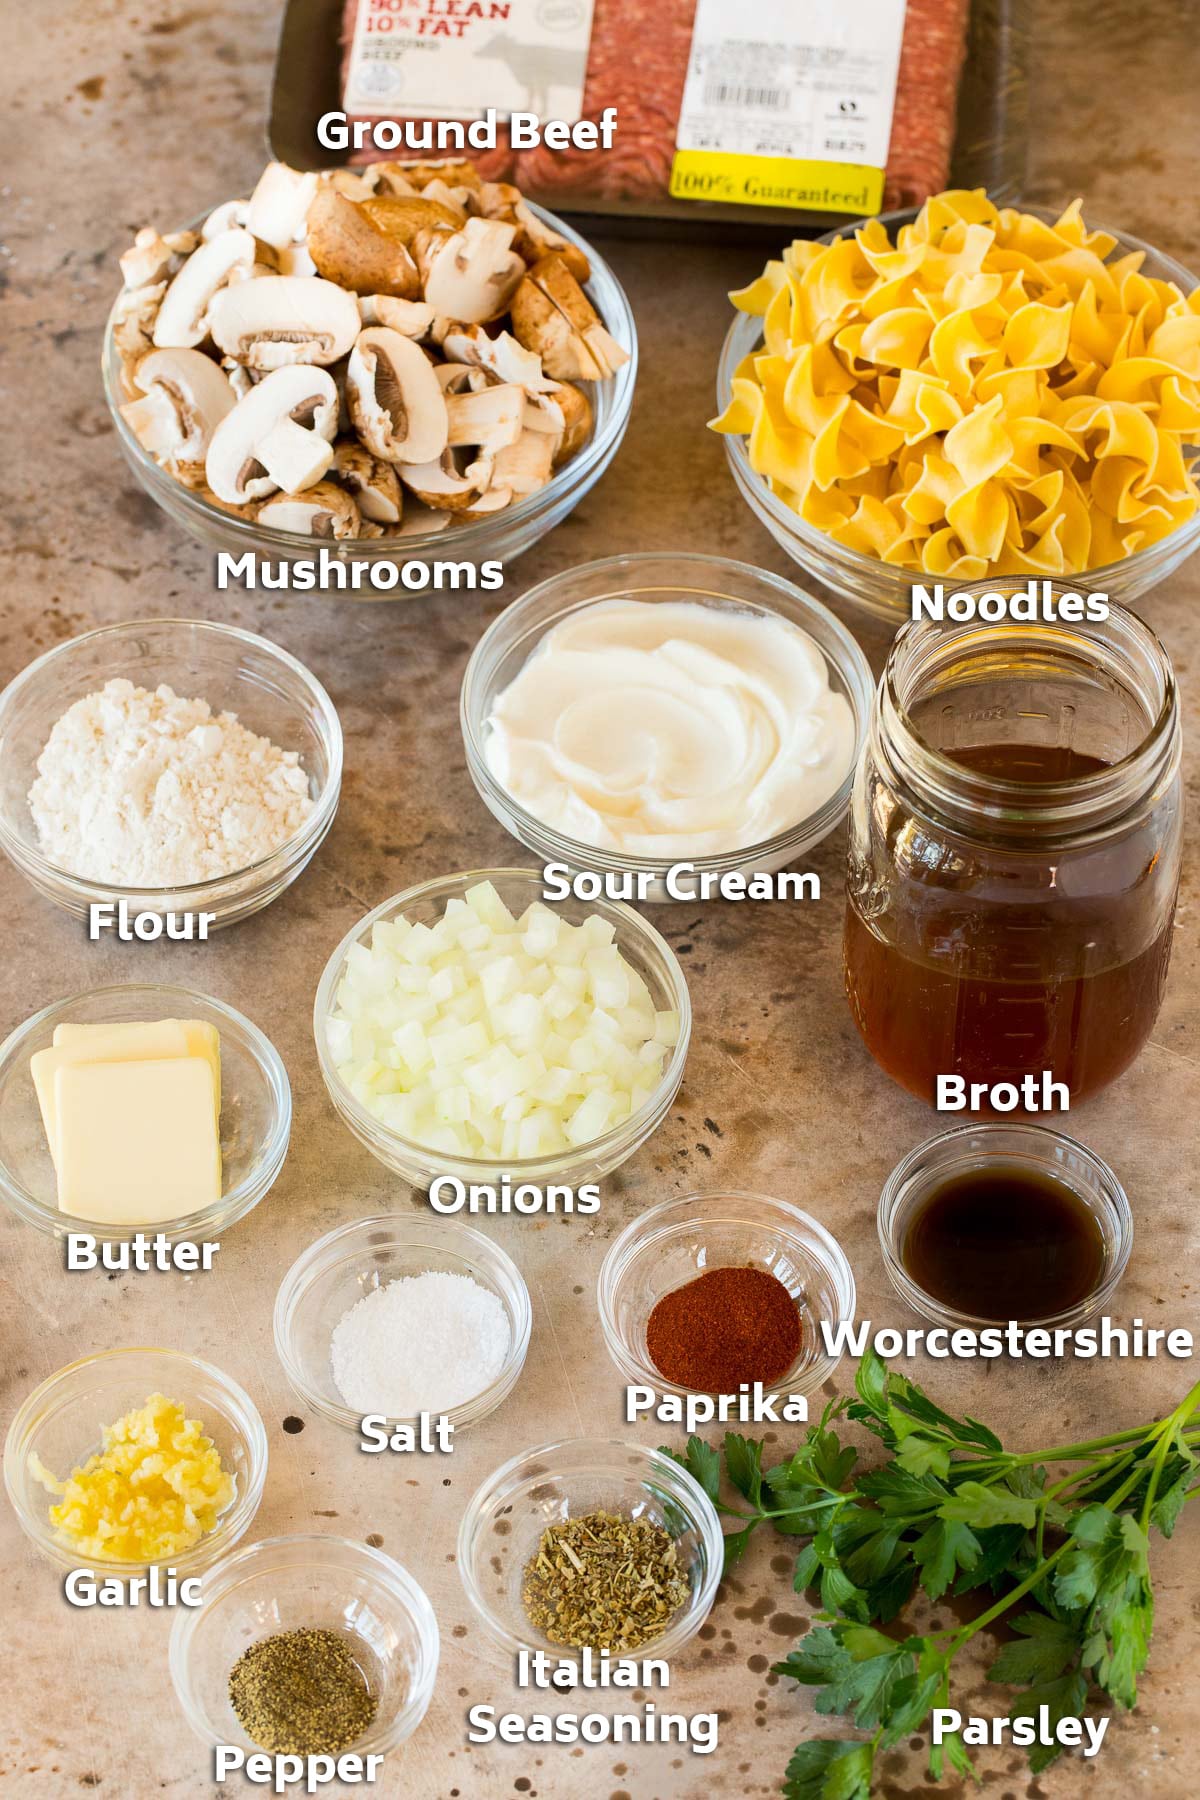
(941, 1550)
(829, 1769)
(1047, 1645)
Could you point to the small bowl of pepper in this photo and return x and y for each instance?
(306, 1646)
(703, 1294)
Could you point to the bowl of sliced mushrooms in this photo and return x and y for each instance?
(404, 362)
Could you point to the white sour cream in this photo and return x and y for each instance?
(670, 728)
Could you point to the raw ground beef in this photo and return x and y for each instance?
(638, 63)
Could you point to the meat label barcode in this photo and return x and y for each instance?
(766, 99)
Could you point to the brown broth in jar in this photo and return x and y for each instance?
(1014, 857)
(922, 1019)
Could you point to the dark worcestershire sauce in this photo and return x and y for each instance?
(965, 979)
(1005, 1242)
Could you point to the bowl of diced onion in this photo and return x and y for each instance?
(466, 1028)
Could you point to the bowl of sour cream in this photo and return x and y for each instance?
(677, 727)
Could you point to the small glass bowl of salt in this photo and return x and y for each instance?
(400, 1315)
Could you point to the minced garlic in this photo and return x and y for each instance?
(153, 1491)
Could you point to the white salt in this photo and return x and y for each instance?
(422, 1343)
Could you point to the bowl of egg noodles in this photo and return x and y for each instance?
(966, 394)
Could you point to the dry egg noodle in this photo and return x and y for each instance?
(986, 395)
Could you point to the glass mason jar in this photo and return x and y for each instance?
(1015, 833)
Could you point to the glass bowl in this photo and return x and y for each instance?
(1041, 1150)
(878, 588)
(322, 1583)
(674, 1242)
(256, 1112)
(60, 1423)
(640, 945)
(500, 536)
(271, 693)
(504, 1521)
(340, 1268)
(714, 581)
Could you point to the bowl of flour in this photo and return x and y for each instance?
(179, 766)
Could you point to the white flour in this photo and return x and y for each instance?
(148, 789)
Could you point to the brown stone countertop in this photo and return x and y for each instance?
(119, 112)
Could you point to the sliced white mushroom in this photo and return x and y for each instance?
(526, 465)
(184, 398)
(231, 216)
(284, 319)
(348, 247)
(420, 520)
(183, 317)
(489, 420)
(411, 318)
(133, 327)
(373, 482)
(492, 500)
(472, 274)
(454, 171)
(240, 378)
(295, 260)
(323, 511)
(390, 178)
(279, 204)
(279, 435)
(395, 401)
(536, 239)
(151, 258)
(502, 355)
(552, 315)
(578, 417)
(442, 484)
(355, 186)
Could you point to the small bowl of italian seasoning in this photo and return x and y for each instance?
(306, 1646)
(591, 1544)
(704, 1294)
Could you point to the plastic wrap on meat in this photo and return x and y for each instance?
(637, 62)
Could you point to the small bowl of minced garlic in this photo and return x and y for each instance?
(166, 776)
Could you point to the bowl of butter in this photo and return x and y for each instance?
(143, 1114)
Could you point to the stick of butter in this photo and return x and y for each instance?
(137, 1141)
(202, 1039)
(152, 1040)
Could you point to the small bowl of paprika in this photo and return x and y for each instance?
(703, 1294)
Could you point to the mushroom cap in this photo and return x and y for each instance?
(401, 216)
(411, 318)
(243, 451)
(322, 511)
(191, 393)
(441, 484)
(395, 399)
(183, 317)
(472, 274)
(501, 355)
(350, 249)
(373, 482)
(274, 320)
(279, 203)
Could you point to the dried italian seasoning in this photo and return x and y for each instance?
(301, 1693)
(603, 1582)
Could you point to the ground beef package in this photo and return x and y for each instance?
(806, 110)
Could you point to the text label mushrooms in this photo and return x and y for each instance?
(280, 435)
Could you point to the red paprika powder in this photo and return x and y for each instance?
(726, 1327)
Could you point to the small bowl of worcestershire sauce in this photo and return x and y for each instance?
(1015, 836)
(991, 1223)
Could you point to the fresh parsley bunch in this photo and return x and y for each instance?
(1063, 1558)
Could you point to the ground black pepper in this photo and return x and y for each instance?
(301, 1693)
